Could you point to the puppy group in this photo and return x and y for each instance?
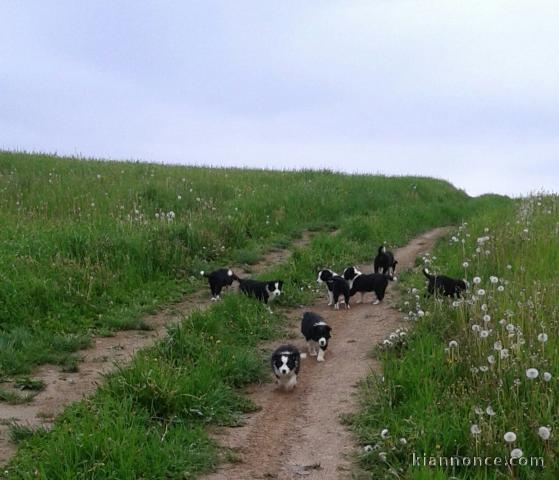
(353, 281)
(224, 277)
(286, 359)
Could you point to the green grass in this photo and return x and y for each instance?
(434, 391)
(149, 419)
(88, 246)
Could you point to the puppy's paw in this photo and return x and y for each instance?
(303, 355)
(376, 302)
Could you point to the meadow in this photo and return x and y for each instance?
(89, 246)
(475, 377)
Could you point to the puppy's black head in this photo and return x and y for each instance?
(274, 288)
(324, 275)
(461, 285)
(285, 360)
(351, 272)
(321, 334)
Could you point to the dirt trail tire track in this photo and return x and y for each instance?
(299, 434)
(106, 352)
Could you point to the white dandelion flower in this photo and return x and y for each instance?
(403, 441)
(368, 448)
(481, 292)
(475, 430)
(509, 267)
(453, 344)
(504, 353)
(420, 313)
(382, 456)
(498, 345)
(483, 368)
(532, 373)
(484, 333)
(547, 376)
(542, 337)
(476, 327)
(478, 411)
(500, 288)
(493, 279)
(489, 410)
(510, 437)
(465, 264)
(384, 434)
(516, 453)
(544, 433)
(491, 359)
(486, 318)
(476, 280)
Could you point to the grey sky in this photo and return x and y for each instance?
(463, 90)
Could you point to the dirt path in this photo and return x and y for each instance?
(299, 434)
(64, 388)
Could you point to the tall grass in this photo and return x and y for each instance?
(478, 377)
(87, 246)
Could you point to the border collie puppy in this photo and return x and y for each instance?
(336, 286)
(263, 291)
(316, 332)
(286, 361)
(384, 261)
(443, 285)
(350, 273)
(223, 277)
(371, 282)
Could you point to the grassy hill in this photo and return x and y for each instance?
(87, 246)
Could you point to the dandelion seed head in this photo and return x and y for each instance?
(510, 437)
(544, 433)
(475, 430)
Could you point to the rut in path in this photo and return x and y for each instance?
(64, 388)
(299, 434)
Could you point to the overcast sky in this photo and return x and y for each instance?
(463, 90)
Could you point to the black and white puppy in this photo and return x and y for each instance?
(350, 273)
(443, 285)
(384, 261)
(371, 282)
(286, 361)
(263, 291)
(337, 286)
(223, 277)
(317, 333)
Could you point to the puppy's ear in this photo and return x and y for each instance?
(329, 328)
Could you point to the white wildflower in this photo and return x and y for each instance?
(544, 433)
(475, 430)
(510, 437)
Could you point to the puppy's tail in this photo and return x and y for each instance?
(204, 274)
(426, 273)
